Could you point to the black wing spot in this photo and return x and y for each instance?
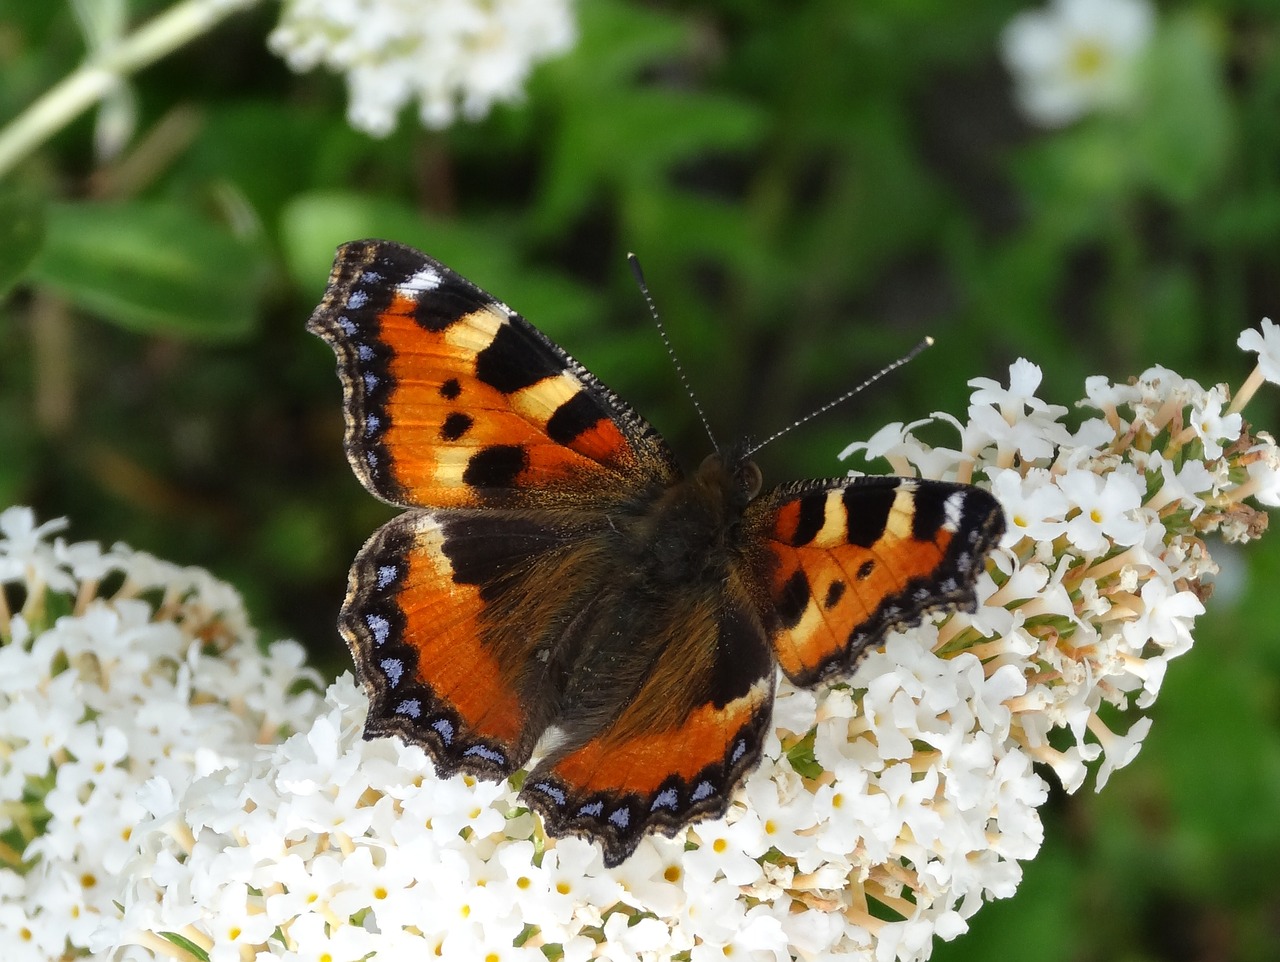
(574, 418)
(929, 513)
(813, 515)
(483, 551)
(865, 569)
(439, 308)
(450, 389)
(497, 466)
(512, 363)
(835, 591)
(793, 600)
(867, 508)
(455, 426)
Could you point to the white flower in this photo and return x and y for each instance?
(236, 925)
(1213, 427)
(1017, 421)
(729, 850)
(1120, 750)
(451, 56)
(1019, 397)
(24, 552)
(1188, 485)
(1264, 475)
(1165, 620)
(103, 711)
(893, 443)
(1076, 56)
(1034, 505)
(1106, 397)
(1266, 344)
(1106, 508)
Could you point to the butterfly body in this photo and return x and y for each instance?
(557, 583)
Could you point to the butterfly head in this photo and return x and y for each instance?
(734, 472)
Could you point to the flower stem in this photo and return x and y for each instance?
(1251, 384)
(89, 83)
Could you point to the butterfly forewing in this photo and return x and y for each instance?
(454, 400)
(846, 561)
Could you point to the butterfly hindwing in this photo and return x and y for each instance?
(454, 400)
(847, 561)
(674, 753)
(451, 625)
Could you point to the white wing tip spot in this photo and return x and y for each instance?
(954, 511)
(426, 279)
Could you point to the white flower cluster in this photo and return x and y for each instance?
(886, 810)
(452, 56)
(1076, 56)
(116, 669)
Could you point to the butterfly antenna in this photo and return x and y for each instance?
(927, 342)
(671, 353)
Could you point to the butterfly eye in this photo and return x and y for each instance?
(749, 479)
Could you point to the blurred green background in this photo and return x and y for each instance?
(811, 187)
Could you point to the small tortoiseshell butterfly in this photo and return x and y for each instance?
(556, 573)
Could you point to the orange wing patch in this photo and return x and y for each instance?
(679, 744)
(642, 763)
(615, 790)
(442, 620)
(454, 436)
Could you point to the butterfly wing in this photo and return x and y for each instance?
(692, 729)
(452, 399)
(843, 562)
(510, 453)
(450, 617)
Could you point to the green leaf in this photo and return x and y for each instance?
(296, 541)
(21, 233)
(20, 466)
(187, 945)
(800, 755)
(153, 268)
(617, 133)
(313, 225)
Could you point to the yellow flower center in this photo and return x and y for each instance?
(1087, 58)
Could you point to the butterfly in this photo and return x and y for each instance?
(557, 581)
